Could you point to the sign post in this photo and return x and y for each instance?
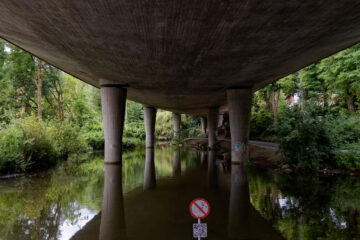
(199, 209)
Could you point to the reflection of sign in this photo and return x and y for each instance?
(199, 208)
(199, 230)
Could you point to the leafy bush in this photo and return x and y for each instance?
(343, 130)
(347, 160)
(29, 144)
(67, 139)
(134, 129)
(94, 135)
(39, 147)
(12, 147)
(261, 120)
(305, 141)
(164, 126)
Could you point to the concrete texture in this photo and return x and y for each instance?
(212, 119)
(176, 123)
(150, 121)
(239, 103)
(181, 55)
(113, 101)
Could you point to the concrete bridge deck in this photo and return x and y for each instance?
(180, 55)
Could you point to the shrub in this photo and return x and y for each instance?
(94, 135)
(164, 126)
(12, 147)
(39, 147)
(67, 139)
(29, 144)
(305, 141)
(260, 122)
(348, 160)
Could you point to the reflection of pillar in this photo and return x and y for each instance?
(212, 169)
(203, 155)
(212, 123)
(113, 100)
(176, 124)
(176, 162)
(203, 125)
(112, 224)
(239, 103)
(239, 206)
(149, 170)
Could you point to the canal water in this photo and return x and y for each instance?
(152, 201)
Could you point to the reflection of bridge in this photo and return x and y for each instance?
(186, 56)
(162, 213)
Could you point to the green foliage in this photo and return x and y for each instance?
(347, 159)
(12, 148)
(164, 126)
(67, 139)
(94, 135)
(29, 144)
(260, 122)
(305, 142)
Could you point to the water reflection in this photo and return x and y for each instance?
(149, 170)
(239, 204)
(176, 163)
(57, 204)
(212, 169)
(113, 225)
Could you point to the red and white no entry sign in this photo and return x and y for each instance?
(199, 208)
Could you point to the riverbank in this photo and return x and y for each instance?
(267, 155)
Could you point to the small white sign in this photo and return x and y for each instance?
(199, 230)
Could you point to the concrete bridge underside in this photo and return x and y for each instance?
(181, 55)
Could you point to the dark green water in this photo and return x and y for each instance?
(57, 204)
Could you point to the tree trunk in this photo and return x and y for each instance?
(275, 103)
(39, 82)
(350, 101)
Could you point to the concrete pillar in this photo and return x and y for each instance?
(113, 99)
(239, 103)
(176, 123)
(212, 123)
(150, 118)
(113, 226)
(176, 163)
(203, 125)
(149, 170)
(220, 120)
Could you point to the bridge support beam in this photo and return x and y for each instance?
(149, 170)
(150, 118)
(203, 125)
(113, 99)
(212, 120)
(239, 103)
(176, 124)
